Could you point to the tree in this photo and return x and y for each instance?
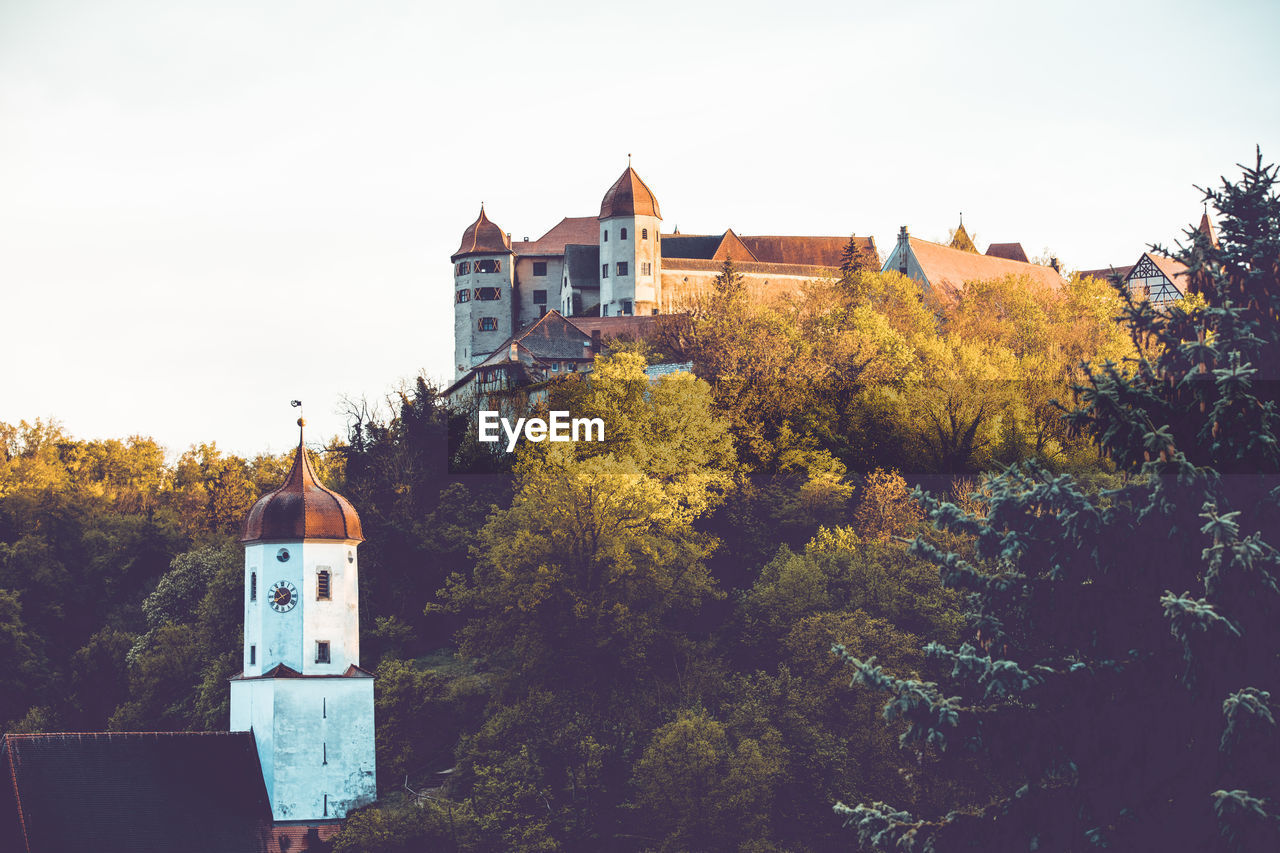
(854, 259)
(1122, 673)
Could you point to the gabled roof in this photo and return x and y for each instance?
(142, 792)
(811, 251)
(947, 269)
(1108, 273)
(1009, 251)
(732, 247)
(795, 250)
(572, 230)
(629, 196)
(482, 237)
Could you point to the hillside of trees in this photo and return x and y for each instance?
(628, 645)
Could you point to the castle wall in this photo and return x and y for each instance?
(527, 309)
(686, 280)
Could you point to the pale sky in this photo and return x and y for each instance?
(207, 210)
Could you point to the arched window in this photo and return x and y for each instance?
(644, 233)
(624, 234)
(322, 585)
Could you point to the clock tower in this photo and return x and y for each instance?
(302, 692)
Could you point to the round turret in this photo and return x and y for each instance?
(630, 248)
(302, 509)
(482, 237)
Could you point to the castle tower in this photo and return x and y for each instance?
(302, 692)
(630, 253)
(483, 301)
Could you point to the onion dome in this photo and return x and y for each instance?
(629, 196)
(302, 509)
(483, 237)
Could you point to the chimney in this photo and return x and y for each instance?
(904, 247)
(514, 354)
(1053, 262)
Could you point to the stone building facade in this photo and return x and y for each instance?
(615, 264)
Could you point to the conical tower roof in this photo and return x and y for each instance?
(302, 508)
(629, 196)
(483, 237)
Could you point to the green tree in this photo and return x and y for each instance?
(1122, 674)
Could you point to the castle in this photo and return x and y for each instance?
(615, 264)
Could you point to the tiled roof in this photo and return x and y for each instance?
(575, 230)
(629, 196)
(582, 265)
(701, 246)
(302, 508)
(143, 792)
(550, 337)
(678, 265)
(948, 269)
(1008, 251)
(805, 251)
(482, 237)
(1175, 271)
(811, 251)
(731, 246)
(637, 326)
(1108, 273)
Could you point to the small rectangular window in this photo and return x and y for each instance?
(606, 235)
(539, 297)
(322, 651)
(488, 266)
(622, 267)
(488, 324)
(253, 655)
(539, 267)
(623, 235)
(488, 294)
(644, 233)
(604, 270)
(253, 586)
(464, 268)
(322, 585)
(464, 295)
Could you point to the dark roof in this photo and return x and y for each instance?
(482, 237)
(629, 196)
(1108, 273)
(551, 337)
(580, 230)
(582, 264)
(281, 670)
(198, 792)
(1009, 251)
(697, 246)
(301, 509)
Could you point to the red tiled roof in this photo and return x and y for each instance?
(302, 509)
(1009, 251)
(948, 269)
(629, 196)
(482, 237)
(733, 247)
(812, 251)
(572, 230)
(1175, 271)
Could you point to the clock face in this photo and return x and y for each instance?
(283, 596)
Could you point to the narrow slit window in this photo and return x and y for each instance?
(322, 651)
(325, 755)
(253, 586)
(253, 655)
(322, 585)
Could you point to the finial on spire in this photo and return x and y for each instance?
(962, 219)
(628, 159)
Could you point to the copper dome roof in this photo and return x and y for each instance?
(302, 509)
(629, 196)
(483, 237)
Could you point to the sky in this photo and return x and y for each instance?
(210, 209)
